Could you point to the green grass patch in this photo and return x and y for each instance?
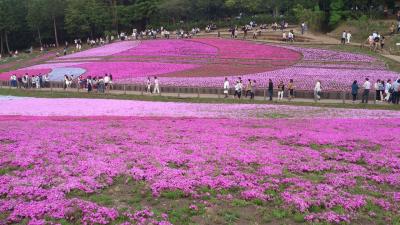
(276, 115)
(279, 213)
(239, 203)
(7, 170)
(229, 216)
(173, 194)
(102, 199)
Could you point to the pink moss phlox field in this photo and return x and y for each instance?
(319, 165)
(179, 48)
(89, 107)
(204, 62)
(247, 50)
(106, 50)
(313, 54)
(127, 70)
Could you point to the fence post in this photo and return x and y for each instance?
(198, 92)
(265, 95)
(51, 87)
(124, 89)
(374, 97)
(219, 93)
(179, 92)
(142, 90)
(344, 97)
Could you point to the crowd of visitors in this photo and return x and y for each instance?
(257, 30)
(384, 91)
(375, 41)
(26, 81)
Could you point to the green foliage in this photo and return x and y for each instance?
(314, 17)
(87, 18)
(84, 18)
(337, 12)
(175, 194)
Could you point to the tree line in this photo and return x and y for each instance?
(25, 23)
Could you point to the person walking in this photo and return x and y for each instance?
(270, 89)
(281, 90)
(106, 82)
(388, 90)
(381, 87)
(377, 90)
(253, 89)
(238, 90)
(89, 83)
(367, 88)
(66, 81)
(248, 89)
(344, 36)
(317, 91)
(291, 89)
(226, 87)
(148, 85)
(354, 91)
(396, 92)
(156, 86)
(348, 37)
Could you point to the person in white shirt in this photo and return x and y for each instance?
(348, 37)
(344, 35)
(367, 88)
(387, 90)
(46, 81)
(377, 90)
(226, 87)
(148, 85)
(291, 36)
(317, 91)
(106, 81)
(37, 80)
(156, 86)
(238, 89)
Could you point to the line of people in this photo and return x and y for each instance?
(26, 81)
(152, 86)
(249, 89)
(384, 91)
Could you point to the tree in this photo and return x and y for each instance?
(12, 18)
(89, 17)
(143, 10)
(313, 17)
(337, 12)
(36, 18)
(174, 9)
(55, 11)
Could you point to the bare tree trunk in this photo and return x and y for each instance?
(55, 31)
(1, 44)
(40, 37)
(276, 11)
(6, 36)
(114, 11)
